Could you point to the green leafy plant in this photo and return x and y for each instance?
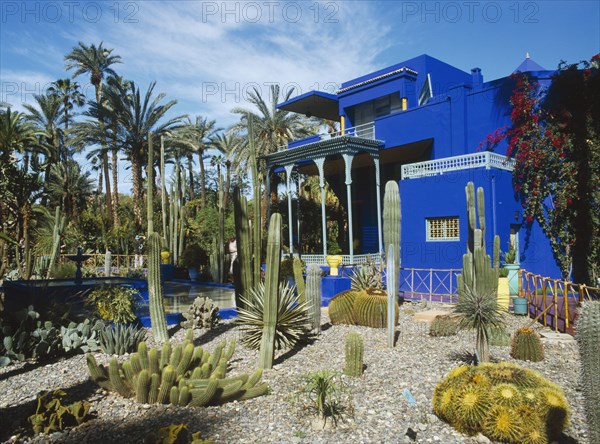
(202, 313)
(327, 395)
(52, 416)
(193, 256)
(114, 303)
(176, 434)
(510, 256)
(181, 375)
(503, 401)
(64, 271)
(292, 318)
(119, 339)
(81, 337)
(46, 340)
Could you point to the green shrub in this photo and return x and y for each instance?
(114, 303)
(64, 271)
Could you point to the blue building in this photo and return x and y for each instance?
(420, 123)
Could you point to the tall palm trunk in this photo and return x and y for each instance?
(190, 161)
(227, 183)
(136, 176)
(104, 156)
(115, 178)
(202, 179)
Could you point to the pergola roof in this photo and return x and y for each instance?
(323, 148)
(314, 104)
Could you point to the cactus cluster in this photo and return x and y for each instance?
(368, 308)
(503, 401)
(202, 313)
(180, 375)
(527, 345)
(52, 416)
(313, 297)
(444, 325)
(354, 350)
(83, 336)
(588, 338)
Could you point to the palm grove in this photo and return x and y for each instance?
(46, 194)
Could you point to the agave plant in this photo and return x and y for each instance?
(292, 318)
(367, 276)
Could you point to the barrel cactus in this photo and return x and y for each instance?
(341, 309)
(588, 338)
(444, 325)
(527, 346)
(503, 401)
(370, 309)
(354, 354)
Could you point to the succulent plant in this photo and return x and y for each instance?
(341, 309)
(503, 401)
(313, 297)
(370, 309)
(155, 290)
(52, 416)
(444, 325)
(527, 346)
(83, 336)
(181, 375)
(202, 313)
(588, 338)
(176, 434)
(298, 268)
(499, 337)
(354, 350)
(119, 339)
(291, 323)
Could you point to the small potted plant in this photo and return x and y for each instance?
(333, 259)
(192, 257)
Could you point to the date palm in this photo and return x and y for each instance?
(16, 134)
(95, 61)
(70, 186)
(229, 144)
(70, 94)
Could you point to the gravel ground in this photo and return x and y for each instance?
(379, 414)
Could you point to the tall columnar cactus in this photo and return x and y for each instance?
(267, 345)
(256, 228)
(243, 269)
(221, 231)
(107, 263)
(392, 219)
(163, 192)
(478, 283)
(59, 226)
(313, 296)
(588, 338)
(299, 278)
(150, 180)
(354, 349)
(155, 292)
(392, 294)
(527, 346)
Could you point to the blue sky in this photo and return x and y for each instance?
(207, 55)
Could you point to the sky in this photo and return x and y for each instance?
(208, 54)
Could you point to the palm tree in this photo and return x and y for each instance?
(16, 134)
(141, 116)
(47, 117)
(70, 186)
(229, 144)
(70, 95)
(95, 61)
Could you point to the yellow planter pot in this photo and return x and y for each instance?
(165, 255)
(333, 262)
(503, 294)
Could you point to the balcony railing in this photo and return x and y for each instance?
(465, 162)
(364, 131)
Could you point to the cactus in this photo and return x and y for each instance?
(392, 295)
(444, 325)
(220, 231)
(527, 346)
(588, 338)
(185, 380)
(503, 401)
(370, 309)
(83, 336)
(256, 227)
(107, 263)
(202, 313)
(267, 349)
(163, 192)
(119, 339)
(341, 309)
(313, 296)
(155, 291)
(150, 180)
(392, 220)
(243, 269)
(59, 226)
(354, 354)
(478, 282)
(299, 278)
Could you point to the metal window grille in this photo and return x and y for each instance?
(443, 229)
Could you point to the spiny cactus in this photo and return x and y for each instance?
(499, 337)
(370, 309)
(527, 346)
(299, 279)
(155, 290)
(505, 402)
(242, 270)
(313, 296)
(392, 219)
(180, 375)
(588, 338)
(478, 282)
(392, 296)
(59, 226)
(341, 308)
(267, 345)
(444, 325)
(354, 349)
(202, 313)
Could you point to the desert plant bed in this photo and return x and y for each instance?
(380, 409)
